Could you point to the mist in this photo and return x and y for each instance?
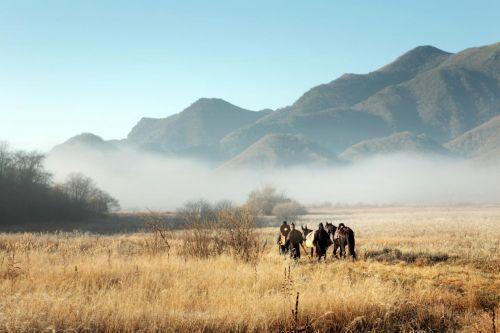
(147, 181)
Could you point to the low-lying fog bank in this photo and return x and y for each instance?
(146, 181)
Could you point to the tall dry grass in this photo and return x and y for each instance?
(84, 282)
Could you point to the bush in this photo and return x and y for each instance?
(262, 202)
(289, 211)
(395, 255)
(160, 233)
(221, 228)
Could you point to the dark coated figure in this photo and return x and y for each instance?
(294, 241)
(282, 237)
(321, 241)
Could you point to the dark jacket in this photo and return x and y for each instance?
(322, 239)
(295, 237)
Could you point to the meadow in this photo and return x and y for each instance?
(419, 269)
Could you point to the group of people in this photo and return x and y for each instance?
(291, 240)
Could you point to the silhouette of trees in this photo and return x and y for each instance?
(28, 194)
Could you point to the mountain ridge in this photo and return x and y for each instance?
(425, 90)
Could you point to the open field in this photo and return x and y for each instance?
(420, 269)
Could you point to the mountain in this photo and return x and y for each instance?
(482, 140)
(331, 129)
(447, 100)
(397, 143)
(279, 151)
(426, 90)
(351, 89)
(490, 157)
(84, 141)
(201, 125)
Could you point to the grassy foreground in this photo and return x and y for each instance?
(419, 270)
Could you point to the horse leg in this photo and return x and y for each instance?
(342, 249)
(335, 248)
(351, 245)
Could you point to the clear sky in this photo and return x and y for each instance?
(68, 67)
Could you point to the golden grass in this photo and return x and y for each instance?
(77, 282)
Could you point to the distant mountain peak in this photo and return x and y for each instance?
(201, 124)
(86, 137)
(213, 105)
(426, 49)
(84, 140)
(204, 101)
(418, 59)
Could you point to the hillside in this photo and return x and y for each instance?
(397, 143)
(478, 141)
(278, 151)
(490, 157)
(351, 89)
(202, 124)
(84, 141)
(331, 129)
(457, 95)
(425, 91)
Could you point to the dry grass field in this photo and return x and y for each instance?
(421, 269)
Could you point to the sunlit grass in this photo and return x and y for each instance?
(116, 283)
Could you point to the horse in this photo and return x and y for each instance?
(311, 241)
(309, 238)
(341, 237)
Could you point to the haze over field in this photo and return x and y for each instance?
(422, 129)
(144, 180)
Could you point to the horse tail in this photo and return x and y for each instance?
(351, 243)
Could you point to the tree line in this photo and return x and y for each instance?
(29, 194)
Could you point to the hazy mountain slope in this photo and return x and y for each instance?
(203, 123)
(478, 141)
(397, 143)
(490, 157)
(322, 113)
(425, 91)
(331, 129)
(460, 93)
(280, 150)
(351, 89)
(84, 141)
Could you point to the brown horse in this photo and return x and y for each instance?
(341, 237)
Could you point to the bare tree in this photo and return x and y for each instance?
(28, 194)
(79, 187)
(289, 211)
(262, 201)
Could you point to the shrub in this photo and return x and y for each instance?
(394, 255)
(289, 211)
(221, 228)
(160, 233)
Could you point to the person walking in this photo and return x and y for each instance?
(294, 241)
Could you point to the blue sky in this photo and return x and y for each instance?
(99, 66)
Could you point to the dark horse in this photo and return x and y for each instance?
(341, 237)
(317, 242)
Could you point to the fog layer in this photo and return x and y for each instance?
(145, 181)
